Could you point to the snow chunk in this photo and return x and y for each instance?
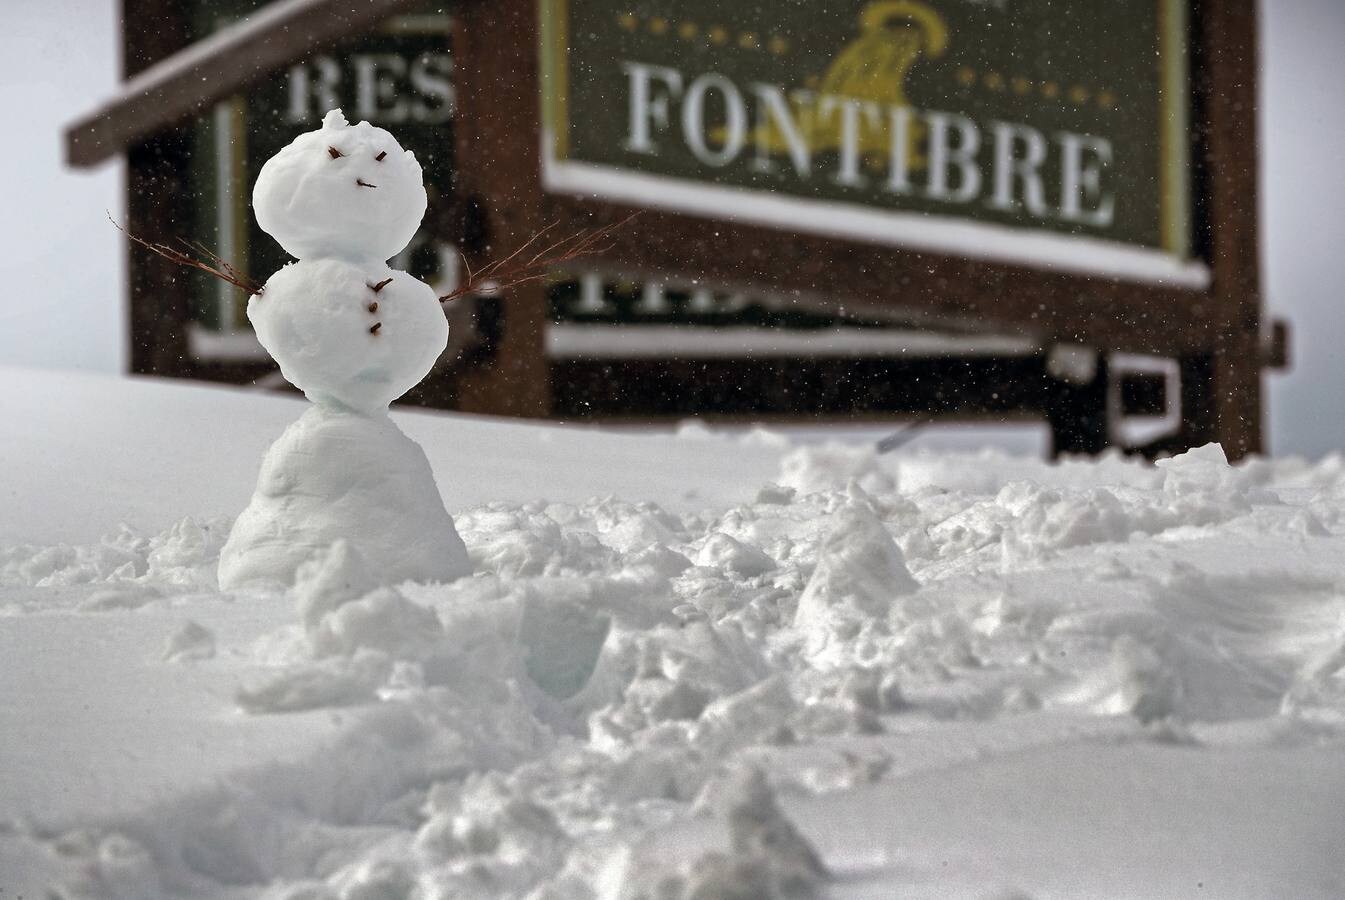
(186, 546)
(776, 495)
(381, 879)
(860, 571)
(832, 466)
(190, 642)
(110, 599)
(343, 612)
(1147, 688)
(330, 579)
(759, 829)
(640, 528)
(384, 620)
(658, 561)
(326, 683)
(733, 556)
(1203, 473)
(1206, 459)
(768, 856)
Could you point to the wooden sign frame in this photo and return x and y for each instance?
(1215, 333)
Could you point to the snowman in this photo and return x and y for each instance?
(353, 335)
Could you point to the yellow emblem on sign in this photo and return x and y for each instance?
(872, 70)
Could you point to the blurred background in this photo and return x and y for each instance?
(63, 262)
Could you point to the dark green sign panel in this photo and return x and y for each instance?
(1046, 132)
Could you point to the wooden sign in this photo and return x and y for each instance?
(1025, 131)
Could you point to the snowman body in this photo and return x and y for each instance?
(353, 335)
(345, 344)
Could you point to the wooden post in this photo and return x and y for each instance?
(1227, 42)
(158, 207)
(1079, 414)
(498, 125)
(1197, 402)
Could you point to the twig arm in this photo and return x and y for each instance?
(516, 269)
(218, 267)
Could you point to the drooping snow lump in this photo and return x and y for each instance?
(354, 335)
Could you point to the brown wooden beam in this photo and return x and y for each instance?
(1040, 304)
(188, 82)
(496, 128)
(1227, 43)
(158, 204)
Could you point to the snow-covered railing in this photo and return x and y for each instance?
(217, 66)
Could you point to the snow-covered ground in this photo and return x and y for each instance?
(691, 665)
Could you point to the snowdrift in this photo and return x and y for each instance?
(695, 666)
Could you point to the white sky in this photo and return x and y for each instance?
(59, 256)
(60, 259)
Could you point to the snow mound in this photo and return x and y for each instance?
(335, 475)
(853, 683)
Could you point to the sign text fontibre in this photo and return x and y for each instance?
(1051, 133)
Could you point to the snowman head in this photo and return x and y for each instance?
(344, 191)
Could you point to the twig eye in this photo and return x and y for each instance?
(379, 157)
(334, 153)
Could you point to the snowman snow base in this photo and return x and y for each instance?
(338, 475)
